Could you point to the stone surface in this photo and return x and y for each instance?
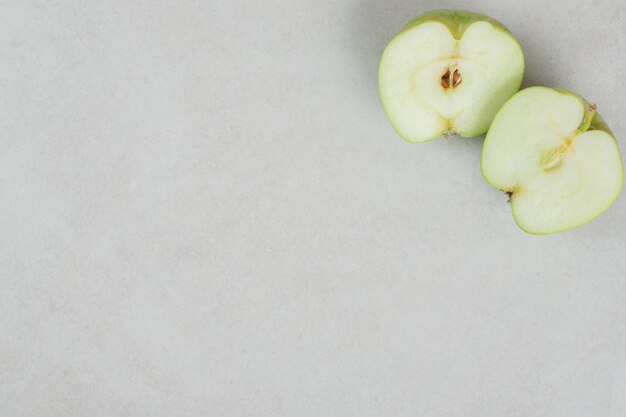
(204, 211)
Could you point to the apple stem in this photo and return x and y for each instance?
(589, 115)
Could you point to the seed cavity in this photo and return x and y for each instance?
(450, 79)
(553, 157)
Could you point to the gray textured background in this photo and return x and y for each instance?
(204, 211)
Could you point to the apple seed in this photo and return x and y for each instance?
(445, 79)
(456, 78)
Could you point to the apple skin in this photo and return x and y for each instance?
(597, 123)
(457, 21)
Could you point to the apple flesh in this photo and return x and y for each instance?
(556, 158)
(448, 71)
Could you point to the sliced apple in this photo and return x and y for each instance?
(448, 71)
(555, 157)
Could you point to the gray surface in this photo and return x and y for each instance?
(204, 211)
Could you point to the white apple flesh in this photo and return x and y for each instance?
(448, 71)
(553, 154)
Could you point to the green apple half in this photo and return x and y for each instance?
(448, 71)
(555, 157)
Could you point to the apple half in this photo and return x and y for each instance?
(556, 158)
(448, 71)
